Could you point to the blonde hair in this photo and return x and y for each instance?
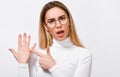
(45, 39)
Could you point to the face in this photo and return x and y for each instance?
(57, 23)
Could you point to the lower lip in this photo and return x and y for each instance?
(60, 35)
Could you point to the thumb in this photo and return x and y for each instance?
(33, 47)
(48, 51)
(13, 52)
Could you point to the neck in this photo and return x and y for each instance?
(64, 43)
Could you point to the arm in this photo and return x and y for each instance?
(23, 70)
(33, 65)
(83, 69)
(28, 70)
(22, 55)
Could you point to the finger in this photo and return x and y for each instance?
(33, 47)
(19, 41)
(28, 41)
(48, 51)
(37, 53)
(24, 39)
(14, 53)
(41, 65)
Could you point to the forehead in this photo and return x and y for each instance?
(54, 12)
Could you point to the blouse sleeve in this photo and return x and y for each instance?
(23, 70)
(28, 70)
(83, 68)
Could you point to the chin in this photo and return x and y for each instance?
(61, 39)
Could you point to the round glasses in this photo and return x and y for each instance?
(52, 22)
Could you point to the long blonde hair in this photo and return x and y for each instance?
(45, 39)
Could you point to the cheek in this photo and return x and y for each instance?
(67, 28)
(52, 32)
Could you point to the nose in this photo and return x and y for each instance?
(58, 24)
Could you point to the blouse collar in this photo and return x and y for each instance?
(64, 43)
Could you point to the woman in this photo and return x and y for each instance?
(60, 53)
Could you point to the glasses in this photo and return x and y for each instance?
(52, 22)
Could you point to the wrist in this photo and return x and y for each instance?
(22, 65)
(22, 62)
(52, 68)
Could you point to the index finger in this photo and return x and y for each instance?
(19, 41)
(37, 53)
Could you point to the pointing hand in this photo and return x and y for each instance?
(45, 61)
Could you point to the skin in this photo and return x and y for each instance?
(23, 53)
(55, 13)
(46, 61)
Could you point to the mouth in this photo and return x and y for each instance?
(60, 32)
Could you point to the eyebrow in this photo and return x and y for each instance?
(54, 18)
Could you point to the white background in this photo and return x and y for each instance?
(97, 24)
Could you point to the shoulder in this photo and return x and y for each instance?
(85, 56)
(82, 51)
(86, 52)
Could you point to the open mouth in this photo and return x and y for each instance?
(60, 32)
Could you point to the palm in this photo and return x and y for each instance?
(23, 53)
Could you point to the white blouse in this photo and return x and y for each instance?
(71, 61)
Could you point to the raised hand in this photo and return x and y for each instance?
(23, 53)
(45, 61)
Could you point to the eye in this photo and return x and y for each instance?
(62, 18)
(50, 21)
